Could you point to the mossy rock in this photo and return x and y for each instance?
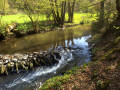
(2, 69)
(23, 66)
(8, 67)
(31, 65)
(27, 63)
(6, 72)
(35, 62)
(16, 66)
(42, 62)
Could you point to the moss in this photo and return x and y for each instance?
(16, 66)
(31, 65)
(54, 83)
(36, 62)
(72, 71)
(27, 63)
(9, 66)
(2, 70)
(6, 72)
(43, 61)
(23, 66)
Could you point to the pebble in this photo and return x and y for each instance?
(6, 62)
(15, 60)
(1, 63)
(35, 53)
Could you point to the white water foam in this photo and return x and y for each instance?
(66, 57)
(41, 71)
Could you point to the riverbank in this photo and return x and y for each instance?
(15, 33)
(100, 74)
(24, 26)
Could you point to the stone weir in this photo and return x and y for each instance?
(18, 62)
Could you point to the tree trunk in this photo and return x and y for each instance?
(73, 6)
(71, 10)
(63, 12)
(102, 11)
(118, 8)
(4, 8)
(58, 19)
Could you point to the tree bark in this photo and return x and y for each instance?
(4, 8)
(63, 12)
(118, 8)
(71, 10)
(102, 11)
(58, 18)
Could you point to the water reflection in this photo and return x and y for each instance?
(30, 80)
(44, 41)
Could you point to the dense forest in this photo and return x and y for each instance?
(21, 18)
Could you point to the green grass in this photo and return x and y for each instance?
(21, 18)
(83, 17)
(24, 23)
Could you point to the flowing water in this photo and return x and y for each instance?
(77, 54)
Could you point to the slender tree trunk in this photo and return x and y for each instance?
(58, 18)
(63, 12)
(118, 8)
(73, 6)
(102, 12)
(71, 10)
(4, 8)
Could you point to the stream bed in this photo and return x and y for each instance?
(71, 43)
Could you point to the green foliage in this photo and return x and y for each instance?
(72, 71)
(24, 27)
(55, 82)
(116, 27)
(2, 5)
(2, 30)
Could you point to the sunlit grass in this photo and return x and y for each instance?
(21, 18)
(85, 17)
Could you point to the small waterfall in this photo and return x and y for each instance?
(71, 56)
(66, 57)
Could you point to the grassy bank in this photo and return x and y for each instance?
(102, 73)
(21, 18)
(25, 27)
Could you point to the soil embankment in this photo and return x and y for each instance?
(100, 74)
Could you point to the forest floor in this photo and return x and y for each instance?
(102, 73)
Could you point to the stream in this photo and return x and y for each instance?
(71, 43)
